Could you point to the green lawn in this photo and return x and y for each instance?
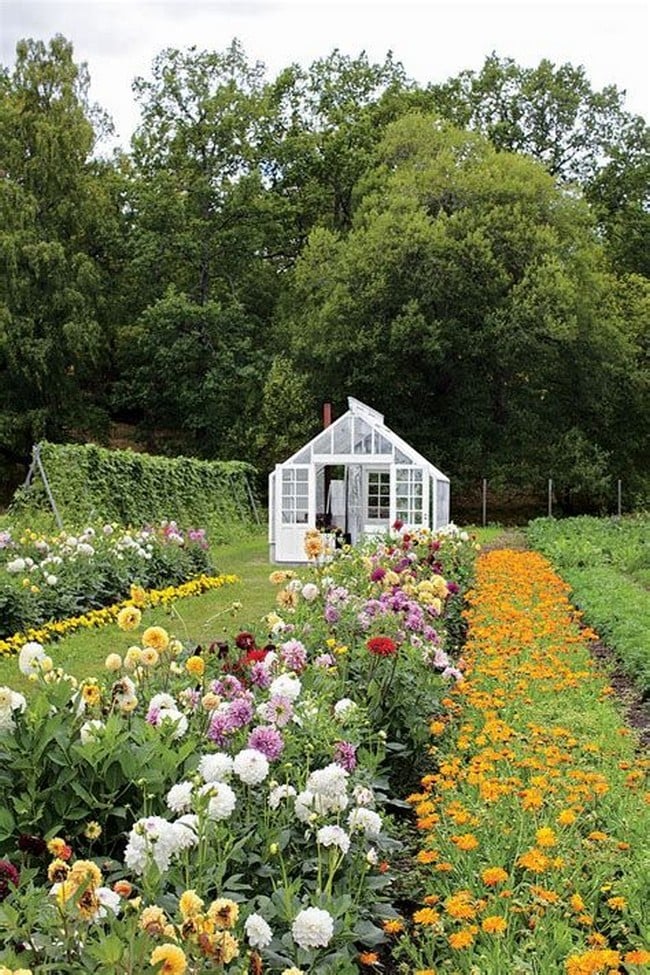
(199, 619)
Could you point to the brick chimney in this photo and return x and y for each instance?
(327, 415)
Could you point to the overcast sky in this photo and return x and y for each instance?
(433, 39)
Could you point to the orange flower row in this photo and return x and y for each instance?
(532, 819)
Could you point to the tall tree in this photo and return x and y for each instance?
(581, 135)
(51, 338)
(324, 126)
(470, 302)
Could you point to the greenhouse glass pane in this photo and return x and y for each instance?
(342, 435)
(362, 436)
(382, 445)
(401, 458)
(323, 443)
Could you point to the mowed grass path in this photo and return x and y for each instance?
(195, 620)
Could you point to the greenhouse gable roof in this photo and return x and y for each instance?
(360, 436)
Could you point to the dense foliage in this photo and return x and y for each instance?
(606, 561)
(89, 482)
(269, 244)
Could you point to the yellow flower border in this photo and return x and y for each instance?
(97, 618)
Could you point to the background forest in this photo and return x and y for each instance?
(470, 258)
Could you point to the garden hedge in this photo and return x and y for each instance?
(89, 483)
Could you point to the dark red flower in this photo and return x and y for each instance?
(381, 646)
(245, 641)
(35, 845)
(8, 875)
(398, 524)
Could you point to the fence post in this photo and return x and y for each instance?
(550, 497)
(619, 492)
(484, 507)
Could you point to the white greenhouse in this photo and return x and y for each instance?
(355, 478)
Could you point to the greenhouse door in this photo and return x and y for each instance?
(295, 512)
(377, 500)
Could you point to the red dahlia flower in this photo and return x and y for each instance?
(8, 875)
(381, 646)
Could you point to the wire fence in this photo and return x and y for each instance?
(488, 503)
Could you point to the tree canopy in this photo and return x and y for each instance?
(471, 257)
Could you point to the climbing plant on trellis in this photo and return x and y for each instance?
(84, 482)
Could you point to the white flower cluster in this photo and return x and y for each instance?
(10, 703)
(30, 658)
(258, 932)
(154, 838)
(162, 708)
(334, 836)
(251, 766)
(326, 792)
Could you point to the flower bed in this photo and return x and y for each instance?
(62, 576)
(229, 809)
(534, 827)
(97, 618)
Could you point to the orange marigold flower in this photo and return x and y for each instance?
(545, 836)
(592, 962)
(437, 727)
(534, 860)
(494, 924)
(637, 957)
(460, 906)
(368, 957)
(463, 938)
(427, 856)
(597, 836)
(567, 817)
(577, 903)
(532, 799)
(548, 896)
(444, 867)
(426, 915)
(617, 903)
(393, 926)
(467, 841)
(493, 876)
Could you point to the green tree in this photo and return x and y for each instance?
(288, 416)
(324, 123)
(52, 341)
(471, 303)
(191, 371)
(581, 135)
